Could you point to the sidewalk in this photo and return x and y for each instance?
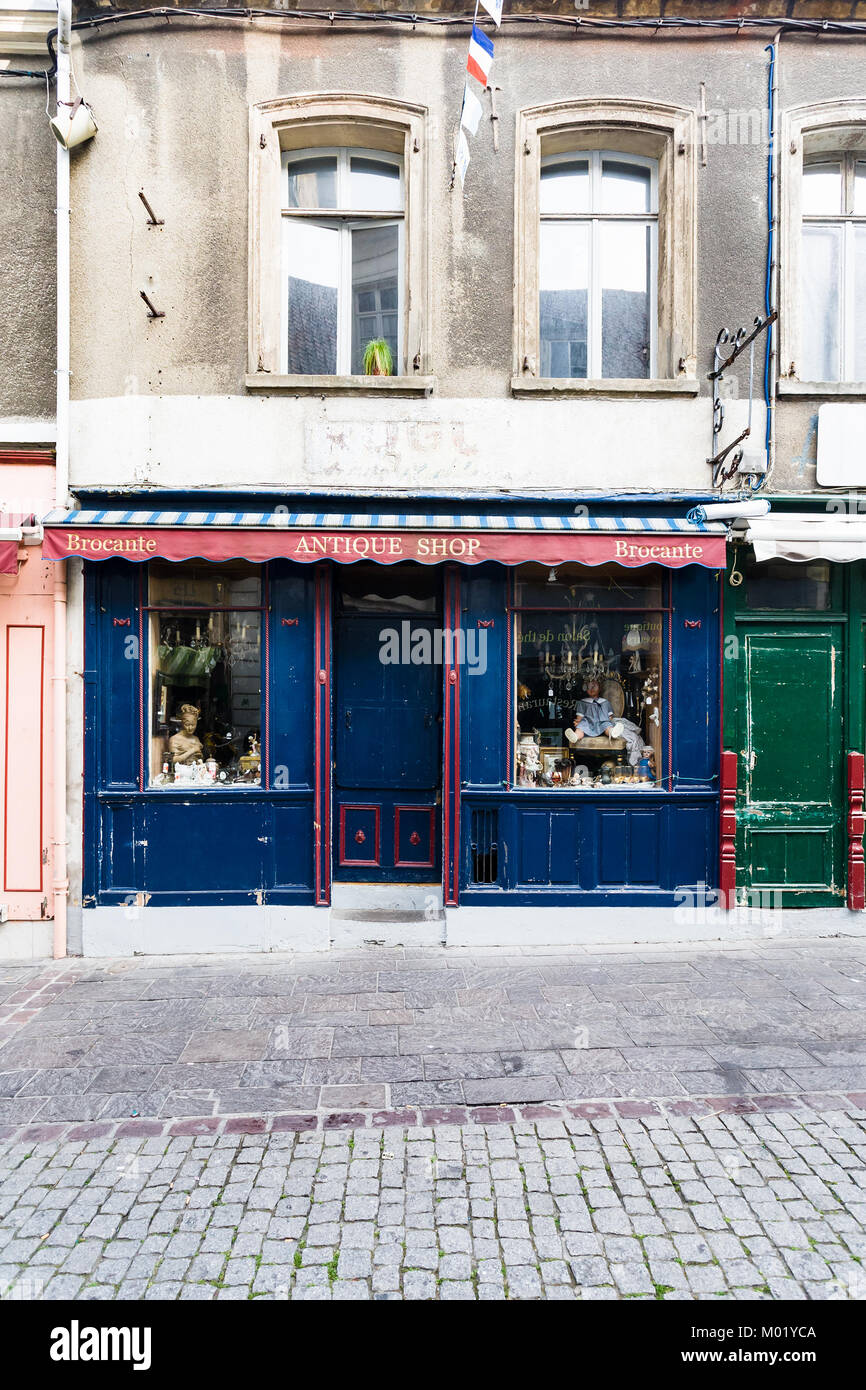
(438, 1124)
(379, 1030)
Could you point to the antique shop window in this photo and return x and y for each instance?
(833, 268)
(598, 265)
(589, 674)
(342, 260)
(605, 247)
(338, 245)
(205, 664)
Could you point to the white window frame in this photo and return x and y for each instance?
(628, 128)
(828, 128)
(346, 220)
(374, 125)
(847, 219)
(595, 219)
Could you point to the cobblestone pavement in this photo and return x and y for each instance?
(754, 1206)
(394, 1028)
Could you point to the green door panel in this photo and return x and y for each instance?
(791, 802)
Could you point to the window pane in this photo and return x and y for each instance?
(205, 667)
(313, 261)
(374, 186)
(580, 674)
(822, 247)
(374, 292)
(312, 183)
(625, 187)
(859, 371)
(236, 585)
(603, 586)
(565, 186)
(860, 188)
(822, 188)
(779, 584)
(625, 299)
(564, 282)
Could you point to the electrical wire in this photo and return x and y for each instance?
(576, 24)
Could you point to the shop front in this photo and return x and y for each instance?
(410, 718)
(795, 656)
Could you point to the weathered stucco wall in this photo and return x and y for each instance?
(27, 259)
(163, 401)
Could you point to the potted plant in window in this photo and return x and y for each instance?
(377, 358)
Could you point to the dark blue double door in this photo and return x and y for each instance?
(387, 750)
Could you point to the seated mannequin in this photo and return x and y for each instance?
(184, 746)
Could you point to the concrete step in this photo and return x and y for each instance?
(387, 897)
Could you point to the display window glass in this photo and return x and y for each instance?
(205, 665)
(590, 696)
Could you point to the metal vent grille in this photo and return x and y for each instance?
(484, 847)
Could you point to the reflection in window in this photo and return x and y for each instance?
(589, 675)
(833, 270)
(342, 271)
(598, 265)
(205, 675)
(783, 584)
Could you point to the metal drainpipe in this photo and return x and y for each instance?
(773, 269)
(61, 490)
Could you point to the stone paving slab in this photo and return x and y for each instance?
(632, 1201)
(169, 1037)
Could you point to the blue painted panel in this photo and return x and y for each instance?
(292, 840)
(569, 847)
(386, 718)
(360, 835)
(200, 845)
(695, 682)
(485, 747)
(113, 590)
(117, 836)
(291, 591)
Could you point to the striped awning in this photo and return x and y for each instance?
(386, 537)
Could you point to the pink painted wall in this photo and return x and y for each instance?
(26, 646)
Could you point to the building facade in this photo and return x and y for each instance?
(397, 607)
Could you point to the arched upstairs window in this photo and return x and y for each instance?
(605, 247)
(338, 245)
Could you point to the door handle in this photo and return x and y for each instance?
(348, 719)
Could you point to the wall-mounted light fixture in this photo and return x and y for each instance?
(73, 124)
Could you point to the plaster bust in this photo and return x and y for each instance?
(184, 746)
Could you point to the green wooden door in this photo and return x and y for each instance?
(791, 805)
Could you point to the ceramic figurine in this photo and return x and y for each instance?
(184, 747)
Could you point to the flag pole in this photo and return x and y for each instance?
(460, 117)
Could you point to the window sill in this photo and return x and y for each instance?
(566, 386)
(787, 386)
(341, 385)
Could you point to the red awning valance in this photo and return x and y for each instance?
(631, 548)
(8, 557)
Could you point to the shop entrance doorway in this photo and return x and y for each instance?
(387, 725)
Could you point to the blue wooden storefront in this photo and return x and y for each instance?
(464, 823)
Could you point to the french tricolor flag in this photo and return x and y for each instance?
(480, 59)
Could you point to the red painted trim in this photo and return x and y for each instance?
(668, 678)
(856, 827)
(317, 736)
(415, 863)
(728, 830)
(322, 720)
(266, 721)
(383, 547)
(142, 575)
(360, 863)
(26, 627)
(510, 685)
(19, 456)
(451, 750)
(455, 892)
